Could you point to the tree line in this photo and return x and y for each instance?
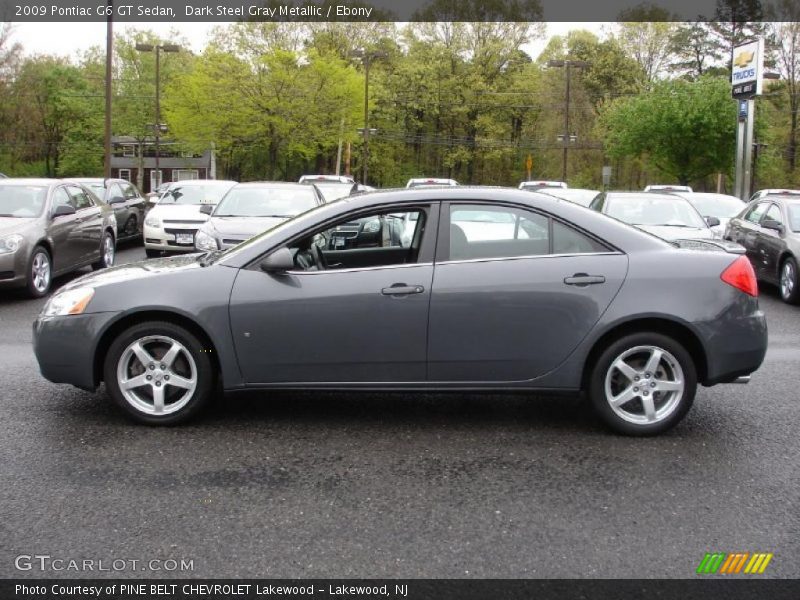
(650, 98)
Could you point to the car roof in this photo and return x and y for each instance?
(644, 195)
(31, 181)
(193, 182)
(275, 184)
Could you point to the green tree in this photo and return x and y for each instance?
(686, 129)
(644, 33)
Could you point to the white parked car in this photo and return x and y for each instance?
(774, 192)
(326, 178)
(668, 188)
(430, 182)
(171, 224)
(576, 195)
(532, 185)
(721, 206)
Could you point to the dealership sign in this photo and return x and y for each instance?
(747, 69)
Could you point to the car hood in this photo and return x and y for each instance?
(10, 225)
(147, 268)
(178, 211)
(670, 232)
(242, 226)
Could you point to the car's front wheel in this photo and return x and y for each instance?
(643, 384)
(40, 272)
(790, 290)
(159, 373)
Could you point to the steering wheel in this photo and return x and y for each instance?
(319, 259)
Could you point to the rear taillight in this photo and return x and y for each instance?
(740, 275)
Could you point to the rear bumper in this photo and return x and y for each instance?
(65, 347)
(735, 346)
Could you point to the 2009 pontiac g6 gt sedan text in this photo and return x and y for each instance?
(495, 289)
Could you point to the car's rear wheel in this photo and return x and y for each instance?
(40, 272)
(131, 227)
(790, 290)
(643, 384)
(159, 373)
(107, 252)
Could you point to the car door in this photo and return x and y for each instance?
(360, 317)
(770, 243)
(63, 233)
(136, 206)
(514, 292)
(744, 230)
(89, 222)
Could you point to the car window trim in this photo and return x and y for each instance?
(766, 212)
(432, 209)
(442, 255)
(529, 256)
(359, 269)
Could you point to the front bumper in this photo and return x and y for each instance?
(65, 347)
(13, 269)
(735, 347)
(166, 239)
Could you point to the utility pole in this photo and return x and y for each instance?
(567, 137)
(367, 57)
(108, 90)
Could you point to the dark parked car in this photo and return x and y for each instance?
(769, 229)
(124, 198)
(567, 300)
(49, 227)
(250, 208)
(668, 216)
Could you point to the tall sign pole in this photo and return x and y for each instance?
(747, 74)
(108, 90)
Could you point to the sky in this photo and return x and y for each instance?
(49, 38)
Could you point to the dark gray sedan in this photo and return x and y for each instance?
(124, 198)
(548, 296)
(769, 230)
(49, 227)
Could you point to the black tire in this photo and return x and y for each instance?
(130, 228)
(152, 253)
(32, 285)
(673, 406)
(106, 259)
(161, 336)
(788, 283)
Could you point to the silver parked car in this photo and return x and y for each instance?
(49, 227)
(250, 208)
(565, 299)
(668, 216)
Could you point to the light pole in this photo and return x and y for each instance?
(367, 57)
(158, 127)
(567, 137)
(107, 120)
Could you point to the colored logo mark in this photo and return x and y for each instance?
(744, 58)
(722, 563)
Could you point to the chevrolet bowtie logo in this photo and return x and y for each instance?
(744, 58)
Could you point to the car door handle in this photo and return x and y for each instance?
(401, 289)
(584, 279)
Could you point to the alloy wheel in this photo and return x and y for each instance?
(40, 272)
(157, 375)
(108, 251)
(644, 385)
(788, 279)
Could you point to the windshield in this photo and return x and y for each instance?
(642, 210)
(22, 201)
(266, 202)
(210, 193)
(334, 191)
(794, 216)
(721, 206)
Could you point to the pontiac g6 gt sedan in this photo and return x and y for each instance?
(565, 300)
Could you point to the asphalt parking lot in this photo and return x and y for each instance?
(391, 485)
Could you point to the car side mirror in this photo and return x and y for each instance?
(772, 224)
(117, 200)
(279, 261)
(62, 210)
(712, 221)
(207, 209)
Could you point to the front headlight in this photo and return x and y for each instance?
(372, 226)
(203, 241)
(71, 302)
(152, 221)
(10, 243)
